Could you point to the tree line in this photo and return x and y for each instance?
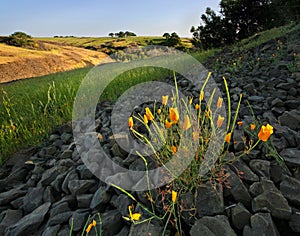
(239, 19)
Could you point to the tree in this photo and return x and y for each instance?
(121, 34)
(19, 39)
(127, 34)
(111, 35)
(166, 35)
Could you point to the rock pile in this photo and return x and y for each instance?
(54, 190)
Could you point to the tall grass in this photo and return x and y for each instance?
(31, 108)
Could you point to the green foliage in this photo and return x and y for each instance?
(19, 39)
(172, 40)
(242, 18)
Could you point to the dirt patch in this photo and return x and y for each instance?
(20, 63)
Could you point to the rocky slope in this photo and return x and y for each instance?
(43, 195)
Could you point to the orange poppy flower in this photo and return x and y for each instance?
(220, 102)
(197, 106)
(174, 149)
(228, 138)
(168, 124)
(220, 121)
(149, 114)
(130, 122)
(186, 123)
(165, 100)
(174, 115)
(252, 126)
(265, 132)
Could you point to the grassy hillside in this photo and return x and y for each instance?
(31, 108)
(17, 63)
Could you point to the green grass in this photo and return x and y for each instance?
(265, 36)
(31, 108)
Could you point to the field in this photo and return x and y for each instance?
(31, 108)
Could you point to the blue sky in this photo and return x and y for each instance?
(98, 18)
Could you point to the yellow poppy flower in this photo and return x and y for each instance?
(186, 123)
(220, 121)
(228, 138)
(91, 225)
(252, 126)
(220, 102)
(174, 196)
(149, 114)
(130, 122)
(201, 96)
(168, 124)
(165, 100)
(145, 119)
(195, 136)
(174, 115)
(265, 132)
(174, 149)
(158, 111)
(197, 106)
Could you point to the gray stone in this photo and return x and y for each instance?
(270, 198)
(209, 200)
(28, 224)
(246, 173)
(52, 230)
(121, 203)
(291, 156)
(84, 172)
(10, 217)
(237, 188)
(112, 222)
(33, 199)
(100, 199)
(84, 200)
(78, 220)
(240, 216)
(17, 176)
(11, 195)
(60, 218)
(58, 209)
(67, 154)
(290, 119)
(57, 183)
(124, 231)
(257, 99)
(260, 167)
(290, 188)
(64, 231)
(212, 226)
(187, 205)
(145, 229)
(261, 224)
(78, 187)
(294, 222)
(72, 175)
(48, 195)
(51, 174)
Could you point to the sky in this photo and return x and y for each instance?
(46, 18)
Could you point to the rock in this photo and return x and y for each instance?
(290, 119)
(67, 154)
(10, 217)
(52, 230)
(33, 199)
(188, 208)
(290, 188)
(60, 218)
(291, 156)
(124, 231)
(51, 174)
(261, 224)
(64, 230)
(84, 172)
(28, 224)
(72, 175)
(16, 177)
(78, 187)
(84, 200)
(260, 167)
(11, 195)
(78, 220)
(100, 199)
(212, 226)
(59, 209)
(270, 198)
(294, 222)
(237, 189)
(112, 222)
(247, 173)
(145, 229)
(121, 203)
(209, 200)
(240, 216)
